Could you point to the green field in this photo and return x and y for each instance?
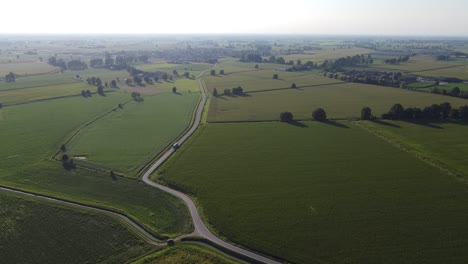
(339, 100)
(26, 68)
(443, 141)
(36, 231)
(422, 65)
(44, 92)
(322, 193)
(186, 254)
(32, 133)
(135, 134)
(253, 80)
(39, 81)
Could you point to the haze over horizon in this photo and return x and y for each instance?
(337, 17)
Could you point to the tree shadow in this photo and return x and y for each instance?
(334, 123)
(221, 97)
(298, 124)
(177, 93)
(384, 123)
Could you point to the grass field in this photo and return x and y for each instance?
(258, 80)
(43, 92)
(32, 133)
(26, 68)
(422, 65)
(136, 133)
(186, 254)
(36, 231)
(455, 72)
(443, 141)
(339, 100)
(322, 193)
(326, 54)
(39, 81)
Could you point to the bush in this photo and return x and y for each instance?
(319, 114)
(286, 117)
(293, 85)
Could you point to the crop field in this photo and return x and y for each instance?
(186, 254)
(181, 68)
(339, 100)
(43, 92)
(460, 72)
(326, 54)
(23, 68)
(443, 141)
(39, 81)
(423, 65)
(258, 80)
(32, 133)
(322, 193)
(44, 232)
(135, 133)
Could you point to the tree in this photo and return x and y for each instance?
(396, 112)
(275, 76)
(221, 72)
(213, 72)
(455, 91)
(293, 85)
(445, 109)
(63, 148)
(366, 113)
(65, 157)
(256, 66)
(319, 114)
(113, 84)
(286, 117)
(174, 89)
(156, 79)
(215, 92)
(100, 90)
(238, 90)
(464, 112)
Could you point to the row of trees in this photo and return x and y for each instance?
(435, 111)
(397, 61)
(455, 92)
(318, 114)
(74, 65)
(233, 91)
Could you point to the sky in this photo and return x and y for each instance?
(331, 17)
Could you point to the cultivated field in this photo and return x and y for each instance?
(339, 100)
(322, 193)
(32, 133)
(442, 141)
(136, 133)
(26, 68)
(186, 254)
(35, 231)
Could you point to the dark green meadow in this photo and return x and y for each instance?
(36, 231)
(322, 193)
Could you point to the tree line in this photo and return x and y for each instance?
(318, 114)
(435, 111)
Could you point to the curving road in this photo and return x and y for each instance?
(200, 228)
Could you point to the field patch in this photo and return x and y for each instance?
(322, 193)
(130, 136)
(442, 141)
(26, 68)
(339, 100)
(35, 231)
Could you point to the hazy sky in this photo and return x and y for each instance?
(374, 17)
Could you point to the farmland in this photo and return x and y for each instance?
(135, 133)
(44, 232)
(443, 141)
(339, 100)
(323, 192)
(186, 254)
(32, 133)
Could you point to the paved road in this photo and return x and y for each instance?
(200, 228)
